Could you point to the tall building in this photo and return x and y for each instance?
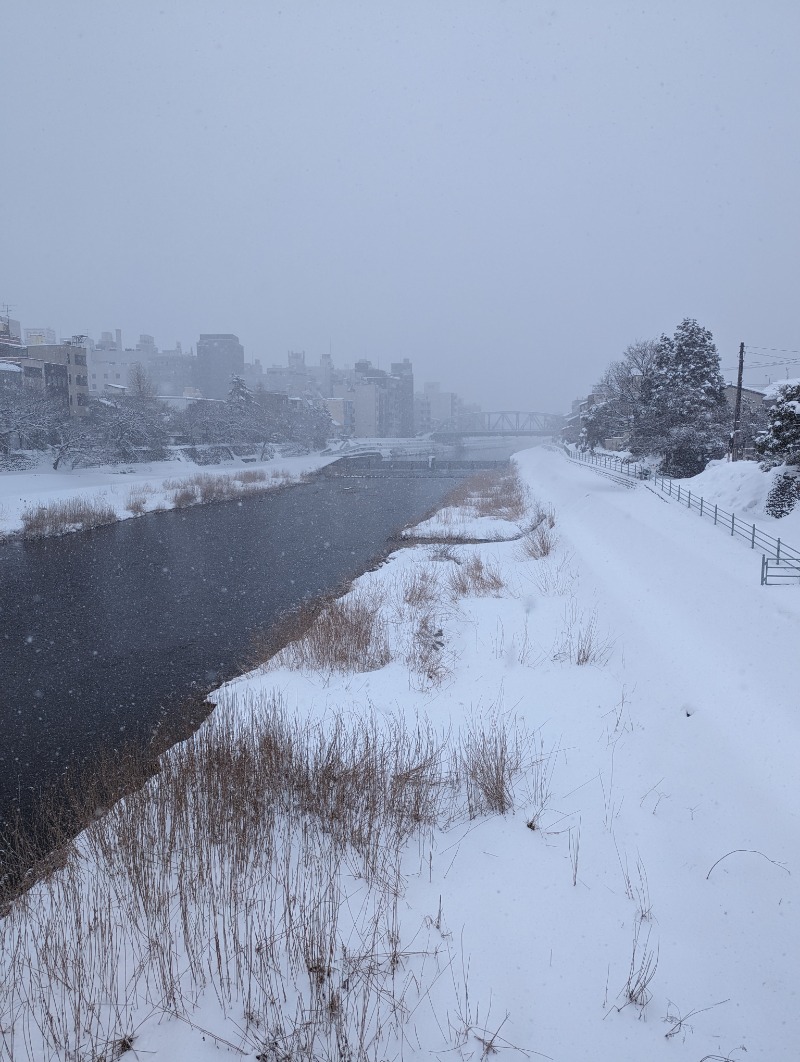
(10, 337)
(109, 368)
(109, 342)
(443, 406)
(219, 356)
(57, 364)
(402, 399)
(384, 401)
(36, 337)
(147, 346)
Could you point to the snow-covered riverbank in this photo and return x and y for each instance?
(124, 491)
(530, 797)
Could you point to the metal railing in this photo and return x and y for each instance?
(780, 562)
(778, 572)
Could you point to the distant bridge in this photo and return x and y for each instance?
(499, 424)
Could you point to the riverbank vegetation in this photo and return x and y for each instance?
(81, 513)
(665, 399)
(137, 426)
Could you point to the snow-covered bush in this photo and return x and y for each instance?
(783, 496)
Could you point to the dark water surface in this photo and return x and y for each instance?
(104, 633)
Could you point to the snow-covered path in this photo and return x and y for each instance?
(711, 665)
(686, 600)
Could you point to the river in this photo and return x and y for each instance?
(104, 634)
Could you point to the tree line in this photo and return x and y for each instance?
(665, 398)
(137, 426)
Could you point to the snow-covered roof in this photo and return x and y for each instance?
(8, 367)
(773, 391)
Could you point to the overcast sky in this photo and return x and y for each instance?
(507, 192)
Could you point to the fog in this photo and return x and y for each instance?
(508, 193)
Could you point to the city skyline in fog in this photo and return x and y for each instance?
(508, 193)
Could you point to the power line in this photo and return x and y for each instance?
(777, 350)
(765, 364)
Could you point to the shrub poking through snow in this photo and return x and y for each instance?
(475, 577)
(580, 641)
(492, 762)
(427, 658)
(183, 497)
(136, 502)
(538, 543)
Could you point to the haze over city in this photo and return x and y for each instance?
(505, 193)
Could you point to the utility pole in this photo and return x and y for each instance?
(737, 414)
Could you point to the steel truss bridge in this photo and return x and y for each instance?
(499, 424)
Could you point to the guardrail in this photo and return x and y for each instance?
(368, 463)
(778, 572)
(780, 563)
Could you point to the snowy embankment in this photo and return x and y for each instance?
(742, 487)
(531, 798)
(36, 497)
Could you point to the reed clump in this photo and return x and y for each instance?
(260, 868)
(69, 514)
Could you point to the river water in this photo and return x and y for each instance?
(104, 634)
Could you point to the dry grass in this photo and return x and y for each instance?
(579, 641)
(420, 586)
(136, 501)
(183, 497)
(499, 494)
(261, 868)
(206, 487)
(538, 543)
(252, 475)
(475, 577)
(555, 578)
(345, 634)
(493, 760)
(539, 540)
(428, 660)
(642, 970)
(70, 514)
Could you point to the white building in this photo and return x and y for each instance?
(109, 369)
(37, 337)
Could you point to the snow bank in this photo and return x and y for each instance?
(742, 487)
(115, 486)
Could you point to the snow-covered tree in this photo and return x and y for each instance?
(618, 408)
(27, 418)
(684, 416)
(141, 385)
(783, 496)
(780, 442)
(239, 394)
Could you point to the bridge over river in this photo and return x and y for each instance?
(499, 424)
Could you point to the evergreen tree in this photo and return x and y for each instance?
(783, 496)
(684, 415)
(780, 443)
(239, 393)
